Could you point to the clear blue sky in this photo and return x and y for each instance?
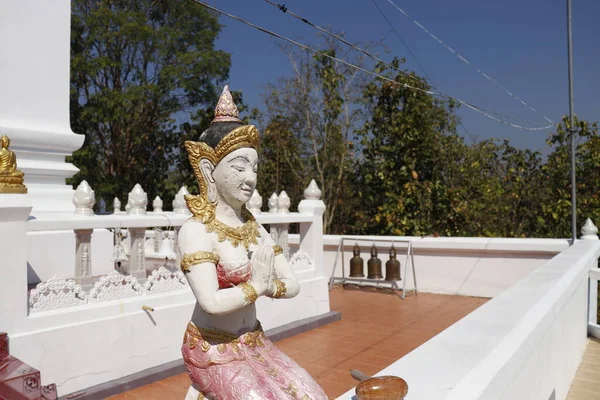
(521, 44)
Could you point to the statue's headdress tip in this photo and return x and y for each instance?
(226, 110)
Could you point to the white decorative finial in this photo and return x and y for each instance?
(137, 201)
(127, 208)
(589, 231)
(273, 203)
(157, 204)
(179, 205)
(84, 199)
(255, 203)
(312, 192)
(283, 203)
(117, 206)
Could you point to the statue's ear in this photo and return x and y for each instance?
(207, 168)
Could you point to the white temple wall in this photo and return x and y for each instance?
(100, 342)
(482, 267)
(34, 100)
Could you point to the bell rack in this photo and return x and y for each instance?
(375, 282)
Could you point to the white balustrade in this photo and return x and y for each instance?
(141, 246)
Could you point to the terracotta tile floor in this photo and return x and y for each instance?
(377, 328)
(586, 384)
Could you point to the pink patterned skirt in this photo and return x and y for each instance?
(225, 367)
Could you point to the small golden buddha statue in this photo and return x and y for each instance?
(11, 179)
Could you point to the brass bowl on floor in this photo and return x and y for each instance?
(380, 388)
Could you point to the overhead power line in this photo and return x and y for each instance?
(439, 93)
(463, 59)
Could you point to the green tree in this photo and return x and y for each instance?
(309, 122)
(139, 71)
(555, 220)
(400, 180)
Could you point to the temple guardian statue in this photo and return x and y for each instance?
(230, 260)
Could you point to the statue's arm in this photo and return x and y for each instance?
(196, 249)
(284, 272)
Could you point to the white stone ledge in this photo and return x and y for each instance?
(462, 244)
(68, 221)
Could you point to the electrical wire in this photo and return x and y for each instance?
(286, 10)
(494, 116)
(463, 59)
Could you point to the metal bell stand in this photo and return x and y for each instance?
(375, 282)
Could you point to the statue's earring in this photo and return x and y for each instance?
(211, 189)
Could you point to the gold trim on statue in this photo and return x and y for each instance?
(199, 257)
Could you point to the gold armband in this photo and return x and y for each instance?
(277, 249)
(280, 289)
(250, 294)
(199, 257)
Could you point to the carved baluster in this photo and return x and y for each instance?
(83, 256)
(283, 207)
(137, 256)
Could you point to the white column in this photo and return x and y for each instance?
(311, 234)
(137, 254)
(14, 211)
(34, 100)
(83, 256)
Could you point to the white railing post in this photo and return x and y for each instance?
(179, 204)
(255, 203)
(311, 234)
(137, 201)
(589, 231)
(137, 254)
(281, 230)
(83, 256)
(84, 199)
(14, 211)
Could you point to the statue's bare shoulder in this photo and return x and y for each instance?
(193, 237)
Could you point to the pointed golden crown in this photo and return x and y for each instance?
(226, 109)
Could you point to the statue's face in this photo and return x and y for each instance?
(5, 141)
(235, 176)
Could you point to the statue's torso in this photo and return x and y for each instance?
(234, 268)
(8, 161)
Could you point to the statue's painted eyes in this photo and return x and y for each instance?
(238, 168)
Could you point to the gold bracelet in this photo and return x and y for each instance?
(277, 249)
(189, 260)
(280, 290)
(250, 294)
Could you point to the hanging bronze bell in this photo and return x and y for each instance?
(374, 265)
(357, 264)
(392, 267)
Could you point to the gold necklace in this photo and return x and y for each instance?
(246, 234)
